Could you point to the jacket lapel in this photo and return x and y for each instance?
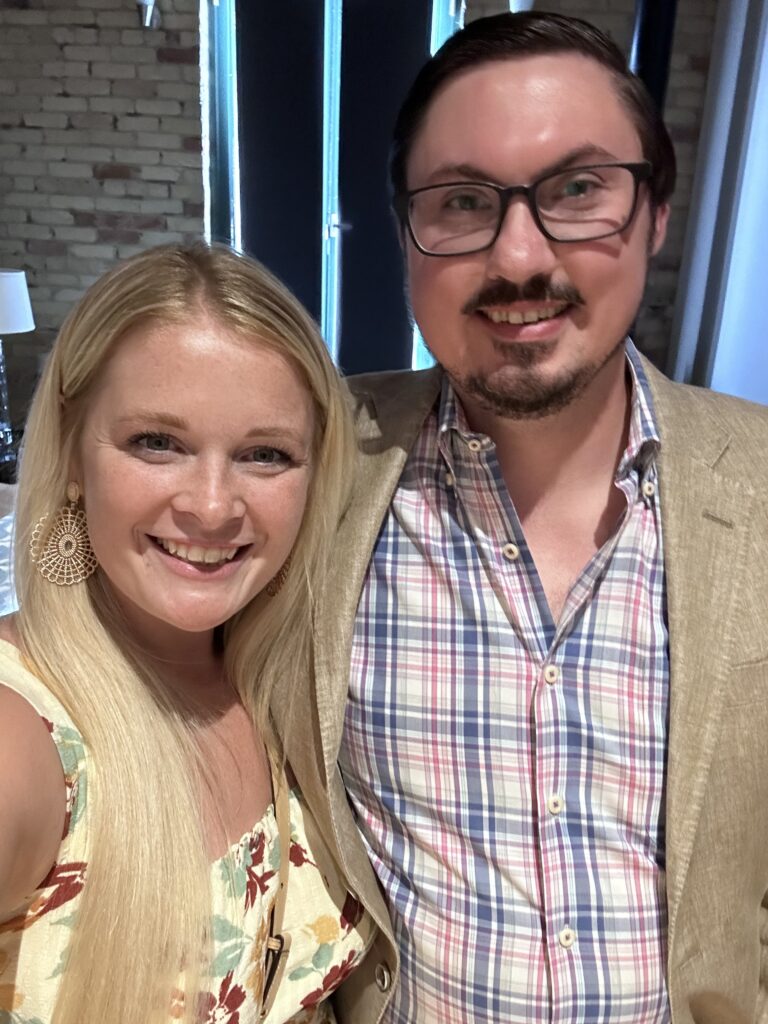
(706, 511)
(387, 429)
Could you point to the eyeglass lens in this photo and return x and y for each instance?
(573, 205)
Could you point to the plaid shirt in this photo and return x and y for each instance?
(507, 771)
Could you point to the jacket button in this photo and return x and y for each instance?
(383, 977)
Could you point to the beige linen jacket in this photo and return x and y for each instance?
(713, 473)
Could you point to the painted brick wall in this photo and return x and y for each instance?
(692, 45)
(100, 149)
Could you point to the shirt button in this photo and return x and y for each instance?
(383, 977)
(566, 937)
(474, 445)
(511, 552)
(649, 488)
(555, 804)
(551, 674)
(449, 480)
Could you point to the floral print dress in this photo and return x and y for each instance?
(330, 932)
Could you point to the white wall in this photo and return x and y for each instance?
(741, 355)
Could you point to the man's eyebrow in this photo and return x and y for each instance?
(579, 155)
(458, 172)
(587, 153)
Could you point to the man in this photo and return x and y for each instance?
(552, 584)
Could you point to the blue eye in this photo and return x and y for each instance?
(267, 456)
(152, 442)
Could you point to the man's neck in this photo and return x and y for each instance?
(559, 471)
(580, 444)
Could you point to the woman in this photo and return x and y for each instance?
(181, 478)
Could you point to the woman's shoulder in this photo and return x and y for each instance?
(33, 800)
(40, 756)
(17, 675)
(9, 631)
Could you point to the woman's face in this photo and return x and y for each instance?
(194, 462)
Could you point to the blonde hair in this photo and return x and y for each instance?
(137, 907)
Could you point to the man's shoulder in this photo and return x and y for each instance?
(703, 401)
(394, 385)
(397, 402)
(708, 422)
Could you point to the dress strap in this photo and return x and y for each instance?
(279, 942)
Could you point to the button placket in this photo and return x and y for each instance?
(557, 894)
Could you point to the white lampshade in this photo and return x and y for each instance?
(15, 309)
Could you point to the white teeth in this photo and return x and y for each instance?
(194, 553)
(530, 316)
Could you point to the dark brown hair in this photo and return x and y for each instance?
(527, 34)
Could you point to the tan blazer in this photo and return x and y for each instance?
(714, 495)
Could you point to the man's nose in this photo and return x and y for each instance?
(520, 251)
(210, 492)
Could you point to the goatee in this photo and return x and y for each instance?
(520, 390)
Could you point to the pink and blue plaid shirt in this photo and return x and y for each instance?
(507, 770)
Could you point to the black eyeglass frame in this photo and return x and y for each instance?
(401, 203)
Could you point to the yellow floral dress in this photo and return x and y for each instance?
(330, 932)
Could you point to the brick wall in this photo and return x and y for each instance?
(692, 45)
(100, 149)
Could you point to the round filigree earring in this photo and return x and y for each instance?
(62, 551)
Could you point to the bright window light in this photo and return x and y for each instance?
(218, 97)
(447, 18)
(331, 249)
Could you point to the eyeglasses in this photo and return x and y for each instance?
(580, 204)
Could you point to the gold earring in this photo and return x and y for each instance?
(275, 585)
(62, 553)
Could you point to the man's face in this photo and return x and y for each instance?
(510, 122)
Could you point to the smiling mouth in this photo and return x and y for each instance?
(196, 554)
(528, 316)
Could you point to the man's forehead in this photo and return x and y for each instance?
(539, 78)
(545, 104)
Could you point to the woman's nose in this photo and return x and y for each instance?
(210, 492)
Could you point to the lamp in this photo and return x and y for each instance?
(15, 318)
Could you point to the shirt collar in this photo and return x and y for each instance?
(643, 443)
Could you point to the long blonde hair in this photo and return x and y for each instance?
(145, 907)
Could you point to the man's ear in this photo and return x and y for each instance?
(659, 229)
(401, 235)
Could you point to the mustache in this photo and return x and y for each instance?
(538, 288)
